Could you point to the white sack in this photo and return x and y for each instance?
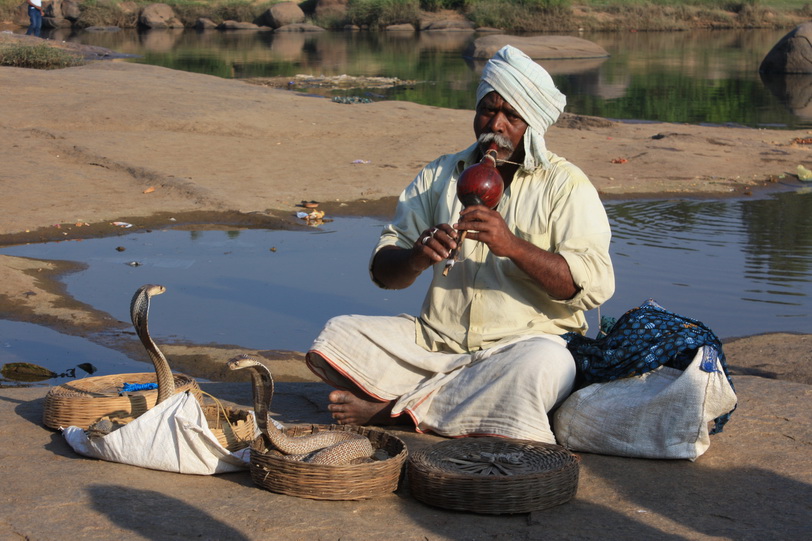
(173, 436)
(661, 414)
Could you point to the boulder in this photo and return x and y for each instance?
(282, 14)
(792, 53)
(71, 10)
(53, 13)
(301, 27)
(536, 47)
(155, 16)
(331, 9)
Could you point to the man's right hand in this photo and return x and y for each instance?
(398, 268)
(436, 243)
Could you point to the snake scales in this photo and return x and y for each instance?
(337, 447)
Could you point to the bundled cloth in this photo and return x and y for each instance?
(173, 436)
(649, 387)
(644, 339)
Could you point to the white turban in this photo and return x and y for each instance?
(529, 89)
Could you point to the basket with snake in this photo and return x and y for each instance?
(322, 462)
(99, 405)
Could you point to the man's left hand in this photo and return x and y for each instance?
(487, 226)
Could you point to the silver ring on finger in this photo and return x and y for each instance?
(425, 239)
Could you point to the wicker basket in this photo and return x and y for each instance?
(493, 475)
(82, 402)
(234, 428)
(271, 471)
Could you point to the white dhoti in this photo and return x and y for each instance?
(505, 390)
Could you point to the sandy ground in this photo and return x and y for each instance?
(84, 147)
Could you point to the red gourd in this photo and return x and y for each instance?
(481, 183)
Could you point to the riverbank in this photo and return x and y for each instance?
(513, 16)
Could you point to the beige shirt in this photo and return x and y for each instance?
(486, 299)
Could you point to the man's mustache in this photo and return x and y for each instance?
(501, 141)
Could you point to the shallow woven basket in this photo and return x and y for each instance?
(234, 427)
(271, 471)
(493, 475)
(82, 402)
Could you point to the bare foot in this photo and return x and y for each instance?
(352, 409)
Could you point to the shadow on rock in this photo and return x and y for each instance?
(710, 499)
(153, 515)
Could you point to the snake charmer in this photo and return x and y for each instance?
(485, 355)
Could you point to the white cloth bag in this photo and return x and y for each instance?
(661, 414)
(173, 436)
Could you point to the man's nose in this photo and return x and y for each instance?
(498, 123)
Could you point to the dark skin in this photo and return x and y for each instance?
(398, 268)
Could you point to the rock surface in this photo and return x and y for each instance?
(282, 14)
(755, 482)
(157, 16)
(792, 53)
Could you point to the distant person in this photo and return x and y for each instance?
(35, 15)
(485, 356)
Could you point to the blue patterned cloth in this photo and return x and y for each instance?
(644, 339)
(132, 387)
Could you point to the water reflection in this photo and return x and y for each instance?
(793, 89)
(702, 76)
(742, 267)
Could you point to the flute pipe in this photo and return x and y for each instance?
(452, 257)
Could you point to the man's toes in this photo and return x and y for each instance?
(338, 397)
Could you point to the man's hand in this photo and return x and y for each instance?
(548, 269)
(435, 244)
(488, 227)
(398, 268)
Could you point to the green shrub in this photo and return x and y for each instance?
(379, 13)
(521, 15)
(40, 56)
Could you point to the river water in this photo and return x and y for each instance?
(742, 267)
(702, 76)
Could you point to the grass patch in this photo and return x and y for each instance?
(521, 15)
(380, 13)
(41, 56)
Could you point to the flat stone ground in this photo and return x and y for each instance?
(753, 483)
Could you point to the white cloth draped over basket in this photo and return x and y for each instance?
(661, 414)
(173, 436)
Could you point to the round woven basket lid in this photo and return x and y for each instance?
(493, 475)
